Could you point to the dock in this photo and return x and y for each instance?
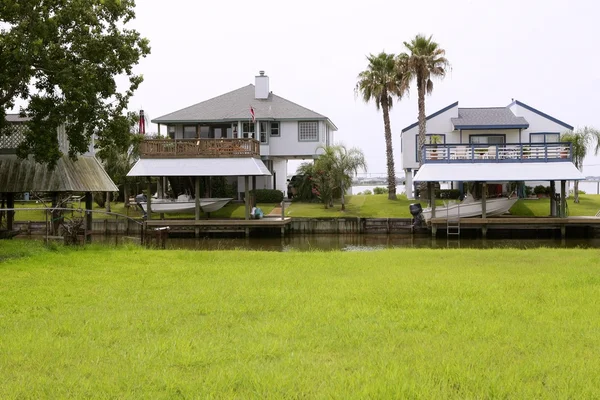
(520, 223)
(220, 225)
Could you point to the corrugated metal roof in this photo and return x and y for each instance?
(495, 172)
(235, 105)
(84, 175)
(486, 118)
(237, 166)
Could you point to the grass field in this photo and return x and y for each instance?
(132, 323)
(366, 206)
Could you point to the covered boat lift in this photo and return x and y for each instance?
(501, 172)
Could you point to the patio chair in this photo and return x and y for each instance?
(491, 153)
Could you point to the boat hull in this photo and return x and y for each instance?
(166, 206)
(493, 207)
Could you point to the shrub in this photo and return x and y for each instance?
(380, 190)
(367, 192)
(540, 190)
(267, 195)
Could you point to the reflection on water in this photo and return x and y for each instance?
(366, 243)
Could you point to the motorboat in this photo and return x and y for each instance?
(470, 207)
(183, 204)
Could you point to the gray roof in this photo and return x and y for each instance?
(488, 118)
(236, 105)
(84, 175)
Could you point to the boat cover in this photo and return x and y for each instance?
(238, 166)
(498, 172)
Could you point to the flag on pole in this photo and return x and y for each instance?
(142, 123)
(252, 114)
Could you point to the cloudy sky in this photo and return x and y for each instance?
(542, 52)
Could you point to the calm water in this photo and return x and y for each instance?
(369, 242)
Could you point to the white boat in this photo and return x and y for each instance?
(470, 207)
(185, 204)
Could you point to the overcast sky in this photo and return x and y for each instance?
(543, 53)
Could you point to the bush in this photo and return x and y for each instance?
(541, 190)
(267, 195)
(367, 192)
(380, 190)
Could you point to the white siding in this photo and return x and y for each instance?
(537, 123)
(440, 124)
(288, 145)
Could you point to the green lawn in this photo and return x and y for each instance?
(366, 206)
(431, 324)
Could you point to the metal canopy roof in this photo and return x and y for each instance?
(495, 172)
(239, 166)
(84, 175)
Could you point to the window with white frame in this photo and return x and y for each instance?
(248, 130)
(308, 131)
(544, 137)
(274, 128)
(264, 137)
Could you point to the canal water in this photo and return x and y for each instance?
(370, 242)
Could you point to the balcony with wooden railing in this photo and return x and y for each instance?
(497, 153)
(196, 148)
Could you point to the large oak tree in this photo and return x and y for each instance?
(63, 59)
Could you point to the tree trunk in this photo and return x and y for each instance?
(576, 190)
(422, 130)
(343, 198)
(389, 150)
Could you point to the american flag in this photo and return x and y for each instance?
(252, 114)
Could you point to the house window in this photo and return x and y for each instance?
(189, 132)
(544, 137)
(234, 127)
(441, 139)
(264, 137)
(171, 131)
(487, 139)
(248, 130)
(308, 131)
(274, 128)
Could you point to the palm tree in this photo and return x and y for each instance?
(340, 164)
(426, 60)
(380, 82)
(580, 141)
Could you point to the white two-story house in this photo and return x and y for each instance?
(495, 144)
(246, 132)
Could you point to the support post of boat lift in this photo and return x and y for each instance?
(10, 214)
(197, 204)
(483, 208)
(149, 201)
(431, 194)
(88, 216)
(563, 199)
(552, 199)
(247, 201)
(160, 188)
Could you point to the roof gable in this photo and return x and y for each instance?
(235, 105)
(435, 114)
(538, 112)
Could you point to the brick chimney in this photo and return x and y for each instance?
(261, 87)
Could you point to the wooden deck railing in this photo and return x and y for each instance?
(191, 148)
(498, 153)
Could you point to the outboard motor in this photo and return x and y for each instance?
(417, 212)
(141, 198)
